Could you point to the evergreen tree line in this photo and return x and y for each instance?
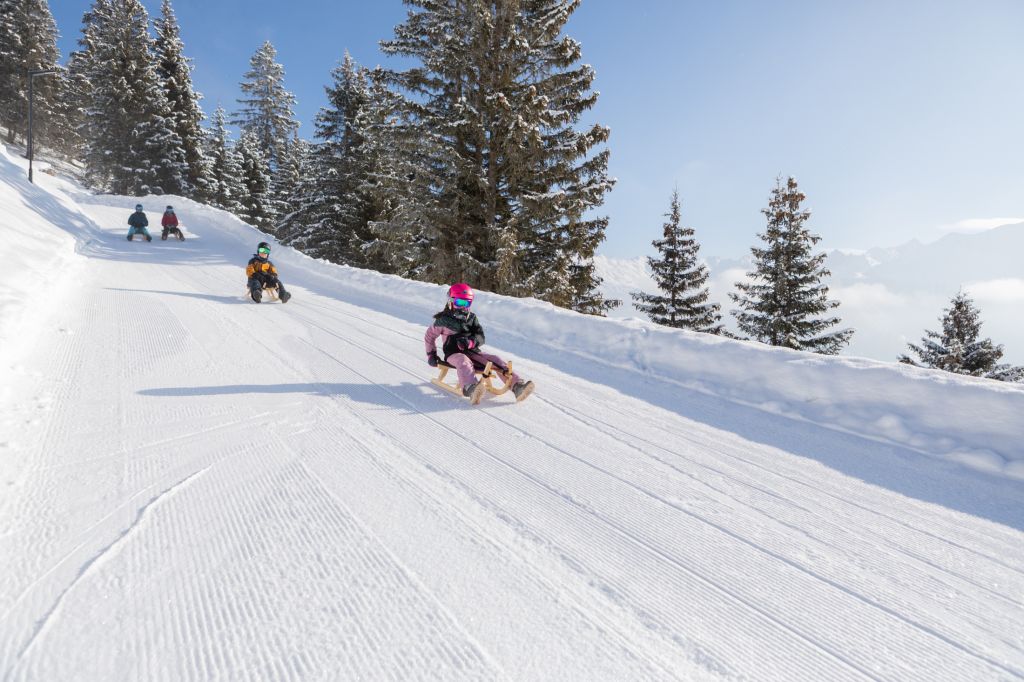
(471, 165)
(784, 300)
(28, 42)
(468, 166)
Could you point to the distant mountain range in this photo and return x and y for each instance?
(890, 296)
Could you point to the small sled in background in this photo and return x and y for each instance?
(485, 375)
(172, 231)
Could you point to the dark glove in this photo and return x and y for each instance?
(432, 359)
(465, 343)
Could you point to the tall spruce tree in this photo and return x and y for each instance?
(267, 111)
(28, 42)
(781, 303)
(226, 189)
(958, 349)
(175, 73)
(286, 183)
(488, 121)
(332, 219)
(296, 226)
(399, 194)
(131, 145)
(256, 200)
(682, 279)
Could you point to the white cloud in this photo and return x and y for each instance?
(865, 295)
(1008, 290)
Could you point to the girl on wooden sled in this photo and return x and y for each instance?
(462, 336)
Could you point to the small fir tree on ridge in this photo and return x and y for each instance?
(781, 303)
(958, 349)
(682, 279)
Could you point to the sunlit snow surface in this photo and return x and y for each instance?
(194, 487)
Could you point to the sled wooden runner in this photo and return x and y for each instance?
(486, 375)
(270, 293)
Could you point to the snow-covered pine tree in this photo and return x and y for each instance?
(288, 184)
(333, 220)
(175, 73)
(958, 349)
(297, 224)
(398, 193)
(682, 279)
(255, 199)
(490, 116)
(131, 146)
(267, 110)
(28, 41)
(783, 297)
(226, 190)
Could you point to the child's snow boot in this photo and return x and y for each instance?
(474, 391)
(522, 389)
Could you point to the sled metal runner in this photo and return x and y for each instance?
(486, 375)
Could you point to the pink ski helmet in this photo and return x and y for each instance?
(460, 296)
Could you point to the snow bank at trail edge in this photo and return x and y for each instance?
(974, 421)
(37, 255)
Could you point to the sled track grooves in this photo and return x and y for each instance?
(927, 639)
(490, 539)
(33, 505)
(721, 475)
(931, 545)
(99, 559)
(654, 553)
(334, 610)
(1003, 542)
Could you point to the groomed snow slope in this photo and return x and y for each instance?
(195, 487)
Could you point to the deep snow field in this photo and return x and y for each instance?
(195, 487)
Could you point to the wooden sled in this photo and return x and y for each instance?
(268, 295)
(485, 375)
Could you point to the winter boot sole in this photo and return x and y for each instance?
(525, 393)
(478, 394)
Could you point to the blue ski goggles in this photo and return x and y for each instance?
(462, 302)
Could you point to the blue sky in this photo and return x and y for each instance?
(900, 120)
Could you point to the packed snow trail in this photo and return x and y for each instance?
(197, 487)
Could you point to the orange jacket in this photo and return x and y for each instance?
(259, 265)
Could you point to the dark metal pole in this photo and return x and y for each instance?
(31, 77)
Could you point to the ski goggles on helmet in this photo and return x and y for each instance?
(462, 302)
(264, 251)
